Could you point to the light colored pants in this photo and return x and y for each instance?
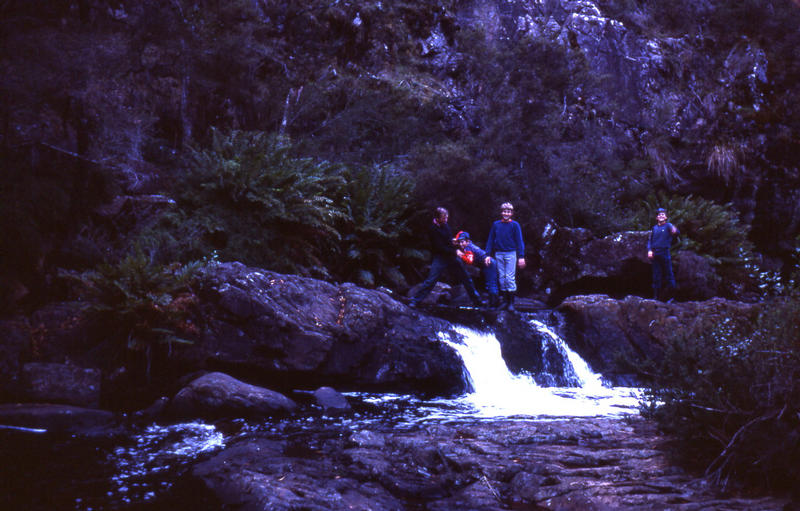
(506, 270)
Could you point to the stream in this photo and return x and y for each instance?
(137, 468)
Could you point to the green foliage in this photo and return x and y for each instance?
(141, 304)
(710, 229)
(249, 198)
(376, 243)
(733, 397)
(713, 231)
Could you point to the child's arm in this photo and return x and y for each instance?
(520, 248)
(673, 230)
(490, 241)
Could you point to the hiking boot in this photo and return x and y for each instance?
(504, 300)
(510, 301)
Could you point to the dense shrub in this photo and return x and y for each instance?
(376, 242)
(473, 105)
(365, 118)
(251, 200)
(733, 397)
(454, 174)
(141, 305)
(710, 229)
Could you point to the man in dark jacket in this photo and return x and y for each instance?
(658, 245)
(444, 258)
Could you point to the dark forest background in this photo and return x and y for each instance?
(315, 137)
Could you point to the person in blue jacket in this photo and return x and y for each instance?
(658, 244)
(472, 254)
(444, 258)
(505, 245)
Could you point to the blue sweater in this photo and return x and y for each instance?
(661, 237)
(506, 237)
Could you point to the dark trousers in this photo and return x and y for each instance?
(662, 271)
(490, 276)
(439, 265)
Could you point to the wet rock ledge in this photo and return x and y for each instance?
(578, 464)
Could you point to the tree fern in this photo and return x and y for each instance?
(258, 203)
(378, 204)
(141, 304)
(711, 229)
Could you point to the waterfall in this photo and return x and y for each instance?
(580, 369)
(496, 392)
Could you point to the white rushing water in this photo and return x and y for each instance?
(157, 449)
(499, 393)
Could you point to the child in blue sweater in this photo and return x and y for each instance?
(658, 245)
(505, 245)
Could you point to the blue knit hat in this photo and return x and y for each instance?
(462, 235)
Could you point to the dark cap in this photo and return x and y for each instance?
(462, 235)
(661, 210)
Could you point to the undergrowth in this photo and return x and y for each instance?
(733, 397)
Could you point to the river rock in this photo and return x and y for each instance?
(571, 464)
(218, 395)
(57, 336)
(601, 329)
(286, 331)
(575, 262)
(61, 383)
(331, 401)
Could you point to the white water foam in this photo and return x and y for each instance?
(156, 450)
(499, 393)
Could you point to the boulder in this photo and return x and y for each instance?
(575, 262)
(59, 334)
(441, 293)
(696, 278)
(280, 331)
(331, 401)
(285, 331)
(601, 329)
(61, 383)
(218, 395)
